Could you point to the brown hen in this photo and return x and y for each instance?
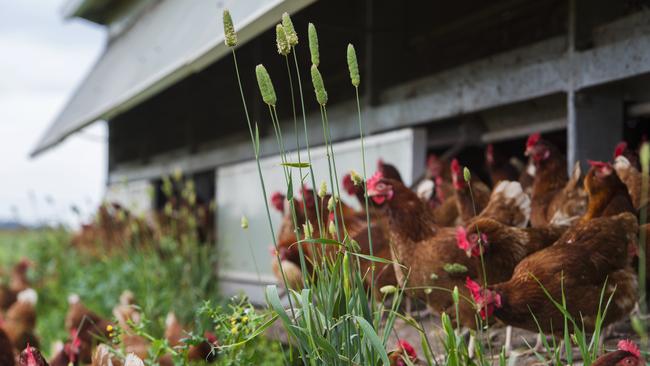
(472, 197)
(630, 176)
(555, 199)
(589, 257)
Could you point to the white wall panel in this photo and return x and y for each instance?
(239, 193)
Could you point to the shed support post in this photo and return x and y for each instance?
(595, 126)
(594, 118)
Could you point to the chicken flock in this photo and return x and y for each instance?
(90, 335)
(537, 233)
(532, 233)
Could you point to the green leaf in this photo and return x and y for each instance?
(425, 348)
(320, 241)
(372, 258)
(369, 333)
(325, 345)
(296, 165)
(273, 299)
(290, 189)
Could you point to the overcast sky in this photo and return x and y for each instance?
(42, 59)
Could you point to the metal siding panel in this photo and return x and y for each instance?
(170, 41)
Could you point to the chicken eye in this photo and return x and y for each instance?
(473, 237)
(380, 186)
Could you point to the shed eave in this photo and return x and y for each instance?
(154, 58)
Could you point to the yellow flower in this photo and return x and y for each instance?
(109, 328)
(234, 330)
(244, 319)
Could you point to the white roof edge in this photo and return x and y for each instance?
(71, 7)
(247, 29)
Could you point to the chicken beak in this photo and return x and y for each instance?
(528, 152)
(372, 192)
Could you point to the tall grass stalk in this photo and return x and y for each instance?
(355, 79)
(467, 176)
(231, 41)
(333, 323)
(269, 97)
(284, 49)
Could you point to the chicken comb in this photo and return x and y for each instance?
(380, 164)
(74, 334)
(31, 359)
(372, 181)
(533, 139)
(277, 200)
(272, 250)
(461, 238)
(348, 184)
(455, 166)
(629, 346)
(24, 264)
(211, 337)
(620, 149)
(432, 161)
(73, 347)
(599, 164)
(489, 151)
(408, 348)
(474, 288)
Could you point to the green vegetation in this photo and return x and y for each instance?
(161, 283)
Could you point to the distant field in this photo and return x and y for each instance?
(160, 284)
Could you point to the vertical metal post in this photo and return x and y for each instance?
(594, 116)
(572, 124)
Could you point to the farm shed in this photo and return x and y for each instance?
(436, 77)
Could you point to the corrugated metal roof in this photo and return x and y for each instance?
(169, 41)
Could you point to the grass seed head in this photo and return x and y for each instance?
(388, 289)
(357, 180)
(244, 222)
(322, 191)
(308, 229)
(332, 228)
(319, 86)
(266, 85)
(353, 66)
(281, 40)
(330, 204)
(455, 295)
(454, 268)
(292, 36)
(467, 175)
(229, 30)
(313, 44)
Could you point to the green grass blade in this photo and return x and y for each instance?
(296, 165)
(369, 333)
